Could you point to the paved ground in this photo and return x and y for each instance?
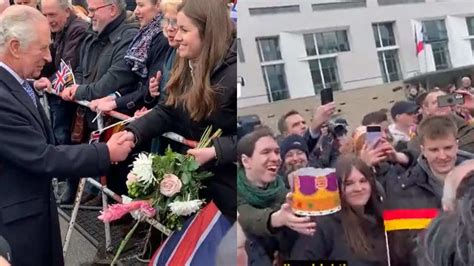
(87, 244)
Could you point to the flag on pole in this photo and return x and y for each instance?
(197, 243)
(419, 40)
(408, 219)
(63, 78)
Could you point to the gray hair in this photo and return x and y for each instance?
(64, 4)
(16, 22)
(119, 3)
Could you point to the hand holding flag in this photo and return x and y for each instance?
(63, 78)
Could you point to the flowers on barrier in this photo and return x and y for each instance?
(165, 187)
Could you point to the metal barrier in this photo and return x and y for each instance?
(95, 136)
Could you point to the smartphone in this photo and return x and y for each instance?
(326, 96)
(450, 100)
(373, 135)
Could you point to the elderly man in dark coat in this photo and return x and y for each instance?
(28, 157)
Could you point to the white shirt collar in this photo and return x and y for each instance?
(11, 71)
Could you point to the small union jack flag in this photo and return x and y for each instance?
(63, 78)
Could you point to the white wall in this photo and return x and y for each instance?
(357, 68)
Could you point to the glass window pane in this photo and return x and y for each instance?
(376, 35)
(441, 55)
(434, 30)
(386, 33)
(470, 25)
(389, 65)
(332, 42)
(309, 44)
(270, 48)
(328, 71)
(276, 85)
(342, 41)
(316, 75)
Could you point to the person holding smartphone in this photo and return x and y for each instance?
(293, 122)
(429, 105)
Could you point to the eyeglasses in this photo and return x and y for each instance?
(165, 22)
(93, 10)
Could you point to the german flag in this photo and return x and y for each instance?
(408, 219)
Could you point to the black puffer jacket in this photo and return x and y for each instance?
(412, 191)
(222, 186)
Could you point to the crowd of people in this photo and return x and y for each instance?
(401, 193)
(169, 63)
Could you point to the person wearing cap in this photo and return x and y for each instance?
(404, 115)
(294, 154)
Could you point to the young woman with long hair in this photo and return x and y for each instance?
(356, 233)
(202, 92)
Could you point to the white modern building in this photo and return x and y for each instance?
(293, 48)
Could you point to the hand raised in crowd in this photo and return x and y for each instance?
(104, 104)
(154, 84)
(120, 145)
(141, 112)
(203, 155)
(285, 217)
(468, 99)
(68, 93)
(42, 84)
(322, 114)
(373, 156)
(392, 154)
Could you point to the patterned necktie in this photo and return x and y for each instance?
(30, 92)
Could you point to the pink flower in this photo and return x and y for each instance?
(170, 185)
(116, 211)
(132, 178)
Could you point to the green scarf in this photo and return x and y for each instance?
(255, 196)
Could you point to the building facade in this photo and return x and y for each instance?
(293, 48)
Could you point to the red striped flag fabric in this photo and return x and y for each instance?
(408, 219)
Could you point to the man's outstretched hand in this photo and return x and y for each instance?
(120, 145)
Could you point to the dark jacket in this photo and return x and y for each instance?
(222, 186)
(416, 189)
(102, 69)
(465, 137)
(28, 162)
(329, 243)
(132, 98)
(263, 241)
(66, 44)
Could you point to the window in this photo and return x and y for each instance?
(273, 68)
(269, 49)
(395, 2)
(275, 81)
(342, 4)
(240, 51)
(389, 65)
(441, 55)
(274, 10)
(434, 31)
(470, 25)
(326, 42)
(387, 51)
(383, 33)
(324, 74)
(470, 29)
